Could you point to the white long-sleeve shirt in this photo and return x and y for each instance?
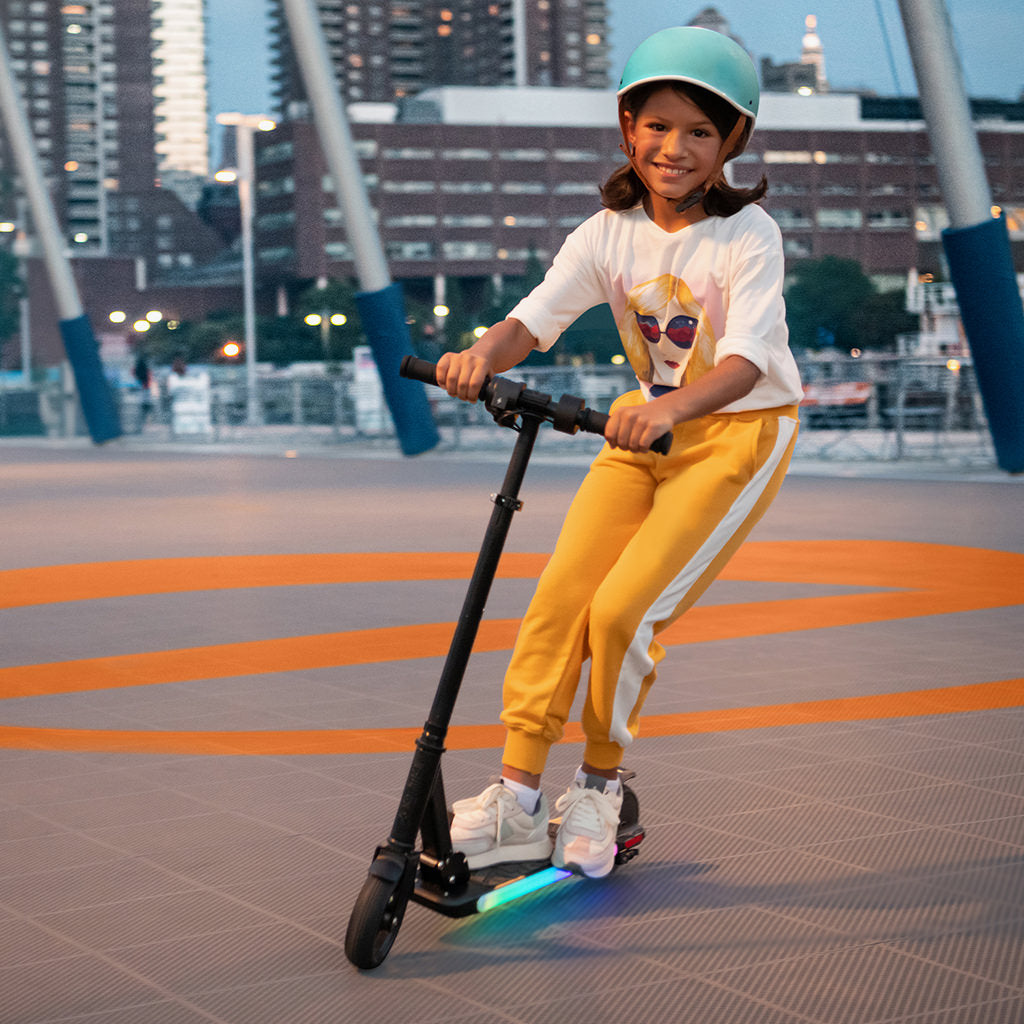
(682, 300)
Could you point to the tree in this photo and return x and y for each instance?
(886, 317)
(826, 302)
(593, 336)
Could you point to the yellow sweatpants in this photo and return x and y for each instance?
(643, 539)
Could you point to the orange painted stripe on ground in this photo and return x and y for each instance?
(921, 579)
(1005, 693)
(877, 563)
(702, 624)
(892, 564)
(51, 584)
(257, 657)
(914, 703)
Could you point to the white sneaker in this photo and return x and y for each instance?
(586, 837)
(493, 828)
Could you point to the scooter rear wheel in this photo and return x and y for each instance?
(376, 918)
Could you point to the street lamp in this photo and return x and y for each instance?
(325, 321)
(245, 125)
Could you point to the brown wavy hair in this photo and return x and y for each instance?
(624, 188)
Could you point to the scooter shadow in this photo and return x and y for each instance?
(546, 923)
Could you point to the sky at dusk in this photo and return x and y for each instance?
(863, 41)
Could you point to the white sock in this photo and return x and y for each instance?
(611, 786)
(528, 798)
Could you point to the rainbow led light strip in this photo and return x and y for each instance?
(520, 887)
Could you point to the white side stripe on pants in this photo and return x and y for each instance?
(637, 663)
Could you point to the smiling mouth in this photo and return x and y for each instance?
(671, 365)
(672, 172)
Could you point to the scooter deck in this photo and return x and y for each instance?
(501, 883)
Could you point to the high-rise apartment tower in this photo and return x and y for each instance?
(181, 103)
(115, 96)
(384, 51)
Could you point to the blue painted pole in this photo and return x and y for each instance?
(94, 391)
(981, 269)
(383, 316)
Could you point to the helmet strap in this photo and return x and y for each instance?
(712, 179)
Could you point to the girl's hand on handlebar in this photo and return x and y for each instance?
(636, 427)
(463, 374)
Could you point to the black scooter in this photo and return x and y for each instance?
(435, 875)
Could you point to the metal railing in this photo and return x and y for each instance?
(911, 408)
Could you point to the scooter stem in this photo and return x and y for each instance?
(423, 780)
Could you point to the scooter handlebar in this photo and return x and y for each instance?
(419, 369)
(579, 416)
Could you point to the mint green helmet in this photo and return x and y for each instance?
(699, 56)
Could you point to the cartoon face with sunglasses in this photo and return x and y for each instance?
(664, 332)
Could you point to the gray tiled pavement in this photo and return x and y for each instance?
(843, 869)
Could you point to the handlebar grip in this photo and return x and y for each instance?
(422, 370)
(663, 444)
(595, 422)
(419, 369)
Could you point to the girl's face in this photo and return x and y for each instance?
(675, 143)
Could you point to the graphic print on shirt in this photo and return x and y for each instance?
(666, 333)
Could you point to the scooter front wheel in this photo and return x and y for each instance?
(376, 918)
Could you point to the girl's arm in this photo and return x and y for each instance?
(463, 374)
(637, 427)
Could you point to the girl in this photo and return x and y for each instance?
(693, 272)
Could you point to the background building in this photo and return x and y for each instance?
(469, 182)
(384, 51)
(483, 129)
(115, 96)
(804, 76)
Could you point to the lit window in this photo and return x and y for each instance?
(787, 156)
(523, 188)
(466, 154)
(571, 155)
(468, 250)
(466, 187)
(838, 218)
(468, 220)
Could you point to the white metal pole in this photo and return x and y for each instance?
(947, 112)
(33, 182)
(336, 141)
(246, 173)
(519, 43)
(380, 304)
(22, 249)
